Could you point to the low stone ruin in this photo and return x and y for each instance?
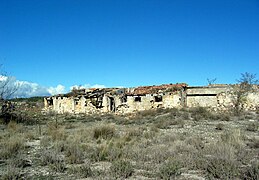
(128, 100)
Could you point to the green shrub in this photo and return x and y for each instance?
(121, 169)
(104, 131)
(170, 169)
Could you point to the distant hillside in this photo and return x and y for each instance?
(31, 99)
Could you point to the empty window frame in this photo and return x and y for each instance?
(76, 101)
(158, 98)
(123, 99)
(137, 99)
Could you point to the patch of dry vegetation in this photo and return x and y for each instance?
(157, 144)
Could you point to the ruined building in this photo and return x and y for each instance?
(127, 100)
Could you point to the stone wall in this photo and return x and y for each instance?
(220, 98)
(216, 97)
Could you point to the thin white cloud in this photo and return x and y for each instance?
(87, 86)
(29, 89)
(3, 78)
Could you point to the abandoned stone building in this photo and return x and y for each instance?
(127, 100)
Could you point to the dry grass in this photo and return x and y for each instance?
(157, 144)
(104, 131)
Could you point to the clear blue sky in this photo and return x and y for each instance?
(129, 42)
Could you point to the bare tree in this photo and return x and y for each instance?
(246, 84)
(211, 81)
(7, 88)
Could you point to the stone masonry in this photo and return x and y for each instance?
(128, 100)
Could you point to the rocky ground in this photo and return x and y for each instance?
(162, 144)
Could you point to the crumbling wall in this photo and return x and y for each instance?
(204, 96)
(172, 100)
(149, 97)
(63, 104)
(150, 101)
(220, 98)
(252, 101)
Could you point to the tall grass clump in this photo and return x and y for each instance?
(221, 161)
(104, 131)
(74, 152)
(53, 160)
(11, 146)
(56, 132)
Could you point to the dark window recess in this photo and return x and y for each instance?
(123, 99)
(201, 94)
(158, 98)
(137, 99)
(50, 102)
(76, 102)
(61, 97)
